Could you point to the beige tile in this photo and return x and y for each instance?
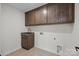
(32, 52)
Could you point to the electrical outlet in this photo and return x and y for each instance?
(54, 38)
(41, 33)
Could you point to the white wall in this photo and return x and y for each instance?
(61, 32)
(56, 28)
(0, 29)
(74, 40)
(76, 26)
(13, 25)
(47, 42)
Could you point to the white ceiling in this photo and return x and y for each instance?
(24, 7)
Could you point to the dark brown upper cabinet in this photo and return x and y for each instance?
(52, 13)
(65, 13)
(40, 15)
(30, 18)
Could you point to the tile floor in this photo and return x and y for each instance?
(32, 52)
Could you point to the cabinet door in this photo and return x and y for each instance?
(65, 14)
(24, 42)
(30, 18)
(40, 15)
(52, 10)
(30, 41)
(71, 12)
